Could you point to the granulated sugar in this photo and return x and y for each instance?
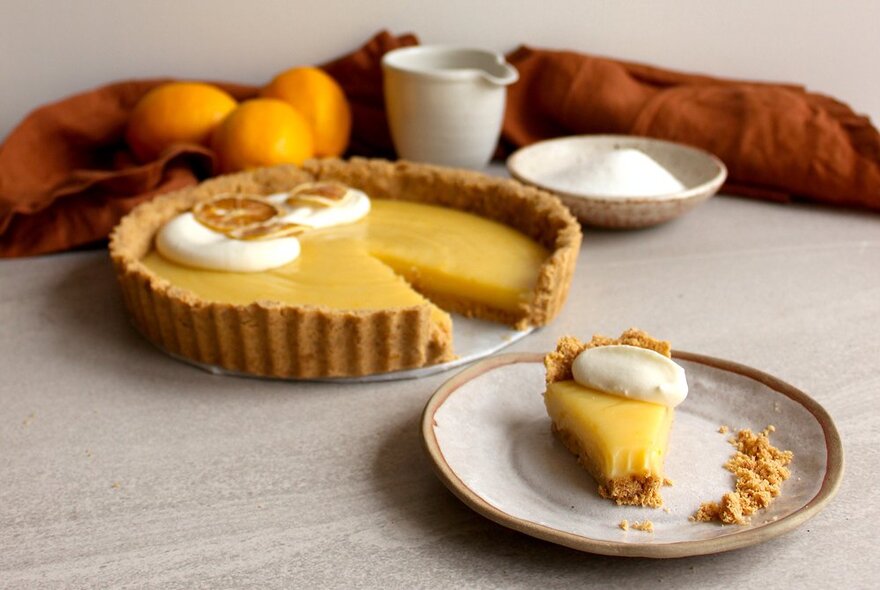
(624, 172)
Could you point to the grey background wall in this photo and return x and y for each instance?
(52, 48)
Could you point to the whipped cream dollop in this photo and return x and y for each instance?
(351, 207)
(631, 372)
(187, 241)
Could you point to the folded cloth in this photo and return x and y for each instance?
(778, 141)
(67, 177)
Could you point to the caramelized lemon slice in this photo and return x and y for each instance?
(326, 194)
(267, 231)
(226, 213)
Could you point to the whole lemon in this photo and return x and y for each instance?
(317, 96)
(176, 112)
(262, 132)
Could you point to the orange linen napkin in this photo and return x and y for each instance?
(66, 176)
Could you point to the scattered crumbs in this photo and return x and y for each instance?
(28, 419)
(88, 453)
(115, 485)
(723, 429)
(776, 407)
(668, 482)
(667, 510)
(759, 468)
(645, 526)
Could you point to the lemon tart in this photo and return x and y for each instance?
(611, 402)
(367, 296)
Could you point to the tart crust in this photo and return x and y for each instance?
(297, 341)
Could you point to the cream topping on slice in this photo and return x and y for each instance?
(631, 372)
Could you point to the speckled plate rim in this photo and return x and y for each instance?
(830, 481)
(710, 186)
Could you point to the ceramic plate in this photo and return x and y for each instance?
(474, 339)
(543, 163)
(488, 435)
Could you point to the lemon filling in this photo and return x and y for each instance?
(626, 436)
(372, 263)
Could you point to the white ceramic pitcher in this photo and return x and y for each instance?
(446, 104)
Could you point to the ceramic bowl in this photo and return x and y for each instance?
(700, 172)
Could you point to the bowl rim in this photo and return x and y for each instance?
(710, 186)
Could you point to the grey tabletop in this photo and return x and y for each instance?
(123, 467)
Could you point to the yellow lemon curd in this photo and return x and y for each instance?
(368, 264)
(620, 437)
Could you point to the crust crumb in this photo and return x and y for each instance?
(624, 524)
(634, 490)
(645, 525)
(760, 468)
(668, 482)
(723, 429)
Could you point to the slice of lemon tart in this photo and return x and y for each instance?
(611, 403)
(340, 268)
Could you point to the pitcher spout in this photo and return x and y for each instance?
(501, 73)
